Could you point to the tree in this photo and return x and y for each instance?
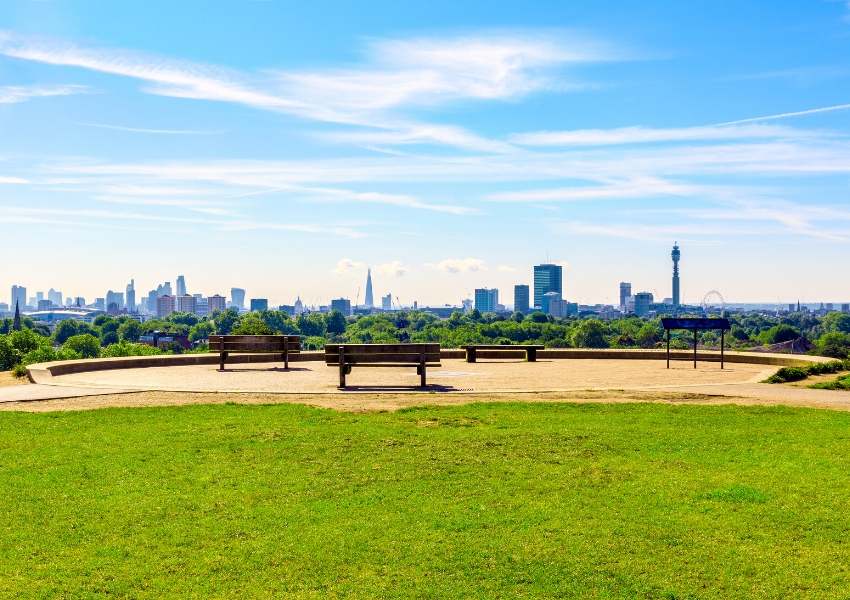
(225, 320)
(538, 317)
(130, 330)
(336, 323)
(86, 345)
(589, 333)
(26, 340)
(834, 344)
(837, 322)
(201, 331)
(779, 334)
(251, 324)
(311, 324)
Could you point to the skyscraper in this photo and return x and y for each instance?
(387, 302)
(131, 296)
(547, 278)
(676, 255)
(625, 292)
(181, 285)
(258, 304)
(486, 299)
(369, 300)
(237, 298)
(55, 297)
(19, 296)
(521, 297)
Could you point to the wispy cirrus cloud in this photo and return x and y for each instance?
(789, 115)
(346, 265)
(639, 187)
(152, 131)
(393, 268)
(14, 94)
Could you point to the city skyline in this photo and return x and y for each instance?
(417, 142)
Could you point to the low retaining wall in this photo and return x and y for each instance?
(43, 372)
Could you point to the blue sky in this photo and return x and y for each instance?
(283, 147)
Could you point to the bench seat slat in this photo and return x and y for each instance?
(379, 358)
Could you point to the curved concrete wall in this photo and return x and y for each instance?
(43, 372)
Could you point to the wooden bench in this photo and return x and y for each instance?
(347, 356)
(530, 351)
(285, 345)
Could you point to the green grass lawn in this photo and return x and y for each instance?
(501, 500)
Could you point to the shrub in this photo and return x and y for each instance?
(48, 354)
(9, 356)
(125, 348)
(786, 374)
(19, 371)
(86, 345)
(835, 345)
(26, 340)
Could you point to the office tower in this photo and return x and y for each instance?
(237, 298)
(55, 297)
(791, 307)
(486, 299)
(625, 292)
(643, 303)
(259, 304)
(39, 296)
(676, 255)
(369, 300)
(100, 304)
(845, 308)
(164, 306)
(116, 298)
(44, 305)
(19, 296)
(830, 307)
(521, 298)
(343, 305)
(547, 278)
(298, 308)
(217, 303)
(181, 286)
(553, 304)
(185, 303)
(387, 302)
(131, 296)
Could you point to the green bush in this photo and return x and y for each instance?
(786, 374)
(86, 345)
(48, 354)
(19, 371)
(841, 383)
(125, 348)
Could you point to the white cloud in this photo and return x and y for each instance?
(506, 269)
(13, 180)
(346, 265)
(459, 265)
(152, 131)
(636, 188)
(13, 94)
(645, 135)
(392, 269)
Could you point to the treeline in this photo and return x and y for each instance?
(118, 336)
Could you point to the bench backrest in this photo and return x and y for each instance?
(382, 353)
(256, 343)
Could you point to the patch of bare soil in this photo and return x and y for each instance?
(7, 379)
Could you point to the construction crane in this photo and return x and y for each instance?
(397, 303)
(357, 297)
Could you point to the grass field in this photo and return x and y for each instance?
(487, 500)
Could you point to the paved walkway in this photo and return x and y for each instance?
(505, 379)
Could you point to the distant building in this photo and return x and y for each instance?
(387, 302)
(237, 298)
(343, 305)
(791, 307)
(299, 306)
(55, 296)
(181, 286)
(131, 296)
(521, 298)
(830, 307)
(202, 305)
(164, 306)
(19, 297)
(643, 303)
(486, 299)
(625, 292)
(99, 304)
(288, 309)
(554, 305)
(185, 303)
(369, 301)
(547, 278)
(845, 308)
(44, 305)
(217, 302)
(116, 298)
(259, 304)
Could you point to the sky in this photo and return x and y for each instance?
(284, 147)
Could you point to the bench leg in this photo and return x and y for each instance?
(286, 359)
(470, 355)
(531, 355)
(341, 374)
(422, 372)
(221, 358)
